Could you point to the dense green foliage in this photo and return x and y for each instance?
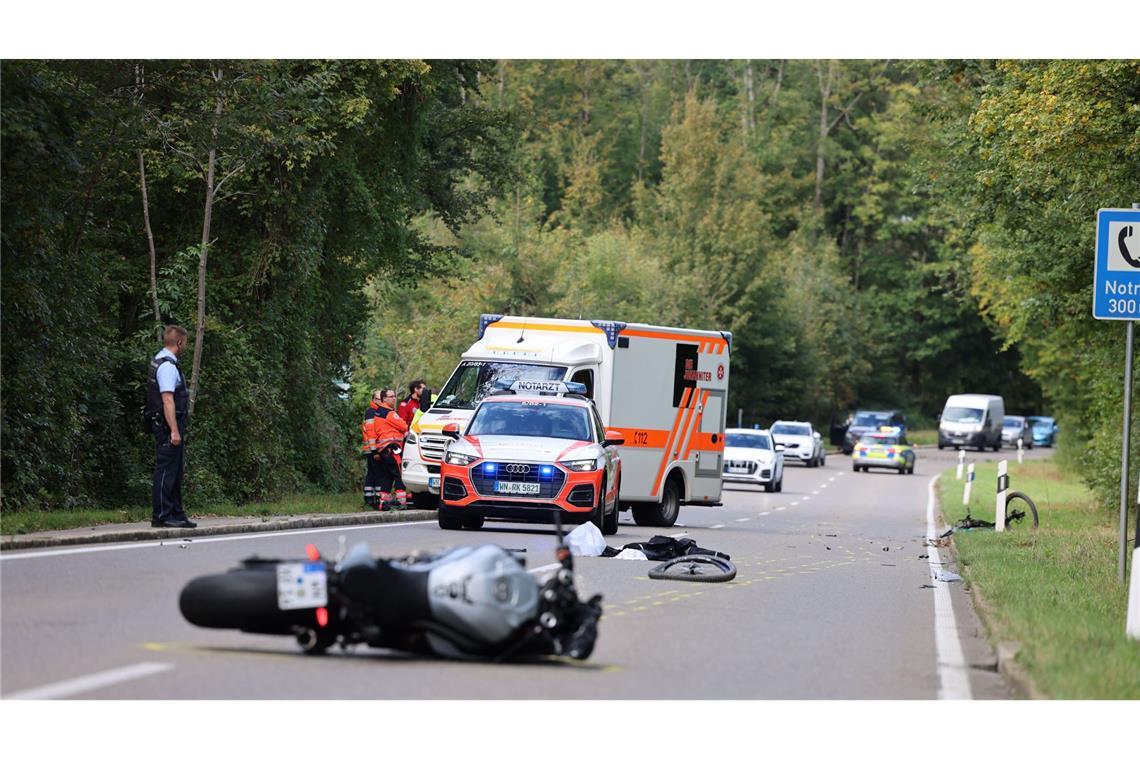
(320, 168)
(874, 233)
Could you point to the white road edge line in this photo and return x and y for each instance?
(743, 519)
(716, 526)
(208, 540)
(92, 682)
(952, 671)
(765, 513)
(780, 509)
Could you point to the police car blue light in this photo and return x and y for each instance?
(489, 468)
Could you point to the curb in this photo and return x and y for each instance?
(1005, 651)
(261, 525)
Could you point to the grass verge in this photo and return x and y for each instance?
(1055, 589)
(23, 522)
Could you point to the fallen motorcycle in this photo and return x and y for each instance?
(470, 602)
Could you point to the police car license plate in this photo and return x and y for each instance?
(302, 585)
(433, 482)
(520, 489)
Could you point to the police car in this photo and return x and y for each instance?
(886, 448)
(532, 450)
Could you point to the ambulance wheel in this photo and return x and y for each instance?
(448, 520)
(660, 515)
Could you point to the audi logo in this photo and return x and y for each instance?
(517, 469)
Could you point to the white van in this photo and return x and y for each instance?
(971, 419)
(664, 388)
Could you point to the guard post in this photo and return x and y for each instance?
(969, 482)
(1002, 494)
(1020, 451)
(961, 460)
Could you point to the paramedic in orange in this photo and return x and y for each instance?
(390, 430)
(371, 459)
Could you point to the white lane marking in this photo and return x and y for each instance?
(814, 493)
(805, 498)
(716, 526)
(190, 540)
(678, 535)
(822, 486)
(794, 503)
(952, 672)
(780, 509)
(92, 682)
(831, 479)
(765, 513)
(743, 519)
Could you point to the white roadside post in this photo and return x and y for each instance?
(969, 482)
(961, 459)
(1020, 452)
(1002, 492)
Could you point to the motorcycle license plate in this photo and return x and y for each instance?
(518, 489)
(433, 482)
(302, 585)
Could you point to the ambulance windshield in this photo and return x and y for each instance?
(473, 380)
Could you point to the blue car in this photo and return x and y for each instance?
(1044, 430)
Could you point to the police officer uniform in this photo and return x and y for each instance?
(165, 376)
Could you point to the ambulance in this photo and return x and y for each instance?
(664, 389)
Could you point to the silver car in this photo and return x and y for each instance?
(1014, 427)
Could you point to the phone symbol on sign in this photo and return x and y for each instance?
(1121, 238)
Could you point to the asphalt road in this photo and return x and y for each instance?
(833, 600)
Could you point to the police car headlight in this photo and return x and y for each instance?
(581, 465)
(411, 438)
(454, 457)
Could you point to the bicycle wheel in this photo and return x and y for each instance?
(699, 568)
(1010, 518)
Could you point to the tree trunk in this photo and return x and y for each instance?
(750, 108)
(150, 245)
(203, 254)
(824, 95)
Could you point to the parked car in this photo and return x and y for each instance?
(750, 456)
(868, 421)
(1015, 427)
(1044, 430)
(799, 442)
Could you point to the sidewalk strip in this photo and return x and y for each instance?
(952, 672)
(205, 540)
(92, 682)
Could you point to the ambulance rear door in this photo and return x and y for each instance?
(668, 399)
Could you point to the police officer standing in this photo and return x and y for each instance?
(167, 402)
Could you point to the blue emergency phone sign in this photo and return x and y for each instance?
(1116, 282)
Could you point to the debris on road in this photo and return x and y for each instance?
(662, 548)
(947, 577)
(631, 554)
(586, 541)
